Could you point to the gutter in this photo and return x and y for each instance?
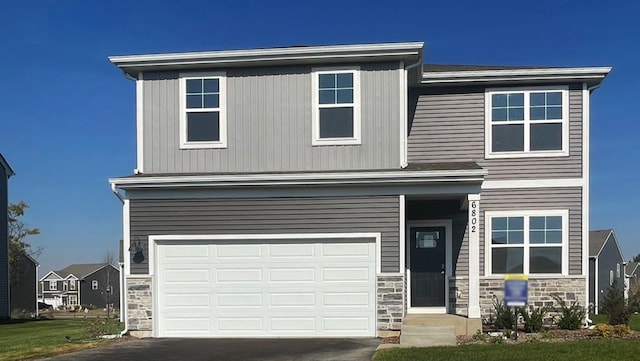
(114, 189)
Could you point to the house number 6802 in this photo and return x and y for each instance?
(474, 216)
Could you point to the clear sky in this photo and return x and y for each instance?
(67, 116)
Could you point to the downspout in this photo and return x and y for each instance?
(37, 308)
(114, 189)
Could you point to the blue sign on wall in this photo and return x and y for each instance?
(516, 290)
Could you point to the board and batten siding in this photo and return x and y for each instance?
(267, 216)
(269, 123)
(448, 125)
(538, 199)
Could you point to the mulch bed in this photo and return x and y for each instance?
(551, 335)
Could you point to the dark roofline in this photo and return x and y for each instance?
(7, 167)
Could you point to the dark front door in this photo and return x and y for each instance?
(428, 266)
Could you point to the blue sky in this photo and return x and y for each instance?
(67, 116)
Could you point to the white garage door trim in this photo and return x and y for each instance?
(156, 241)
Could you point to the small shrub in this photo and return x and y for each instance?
(533, 318)
(548, 335)
(90, 307)
(614, 306)
(571, 316)
(497, 339)
(621, 330)
(608, 331)
(619, 315)
(479, 336)
(97, 327)
(533, 339)
(505, 317)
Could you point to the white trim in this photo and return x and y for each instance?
(95, 285)
(47, 275)
(474, 76)
(527, 122)
(533, 183)
(596, 284)
(316, 106)
(402, 232)
(473, 310)
(153, 239)
(140, 124)
(332, 52)
(419, 177)
(126, 236)
(404, 121)
(448, 224)
(564, 213)
(585, 188)
(222, 110)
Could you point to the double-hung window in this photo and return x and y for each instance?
(53, 285)
(203, 121)
(336, 106)
(94, 285)
(527, 123)
(72, 284)
(531, 242)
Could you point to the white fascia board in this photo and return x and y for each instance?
(301, 179)
(533, 183)
(474, 76)
(408, 49)
(47, 275)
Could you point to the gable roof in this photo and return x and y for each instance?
(632, 268)
(81, 270)
(597, 240)
(7, 168)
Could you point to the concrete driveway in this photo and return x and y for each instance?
(173, 349)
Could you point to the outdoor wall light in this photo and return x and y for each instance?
(135, 247)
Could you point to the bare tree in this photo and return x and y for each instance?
(18, 247)
(108, 276)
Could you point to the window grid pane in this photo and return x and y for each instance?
(507, 230)
(336, 88)
(545, 230)
(507, 107)
(545, 106)
(202, 93)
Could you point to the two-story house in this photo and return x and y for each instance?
(334, 190)
(96, 284)
(5, 299)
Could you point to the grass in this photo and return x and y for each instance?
(634, 321)
(591, 350)
(25, 340)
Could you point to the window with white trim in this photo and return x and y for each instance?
(94, 285)
(532, 242)
(72, 284)
(53, 285)
(203, 121)
(336, 108)
(73, 300)
(531, 122)
(65, 286)
(617, 270)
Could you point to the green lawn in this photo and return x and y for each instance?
(36, 339)
(634, 322)
(591, 350)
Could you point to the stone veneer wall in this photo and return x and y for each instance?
(541, 291)
(390, 302)
(139, 304)
(459, 296)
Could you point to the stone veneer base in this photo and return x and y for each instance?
(139, 304)
(390, 302)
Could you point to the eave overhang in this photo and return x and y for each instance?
(297, 179)
(316, 55)
(591, 75)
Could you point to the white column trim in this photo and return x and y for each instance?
(402, 233)
(139, 124)
(126, 234)
(585, 187)
(474, 255)
(404, 104)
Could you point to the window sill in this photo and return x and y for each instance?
(336, 141)
(507, 155)
(203, 145)
(530, 276)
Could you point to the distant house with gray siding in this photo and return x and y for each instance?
(5, 173)
(85, 284)
(340, 190)
(606, 266)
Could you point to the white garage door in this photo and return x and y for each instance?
(266, 288)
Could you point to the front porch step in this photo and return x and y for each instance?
(427, 336)
(463, 326)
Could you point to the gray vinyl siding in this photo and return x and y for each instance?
(608, 260)
(538, 199)
(269, 123)
(23, 292)
(448, 125)
(4, 247)
(267, 216)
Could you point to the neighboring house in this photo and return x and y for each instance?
(82, 284)
(335, 190)
(24, 286)
(606, 266)
(632, 279)
(5, 299)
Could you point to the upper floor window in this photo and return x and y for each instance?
(527, 123)
(203, 110)
(530, 242)
(65, 286)
(336, 106)
(72, 284)
(94, 285)
(53, 285)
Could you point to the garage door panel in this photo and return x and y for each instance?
(272, 288)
